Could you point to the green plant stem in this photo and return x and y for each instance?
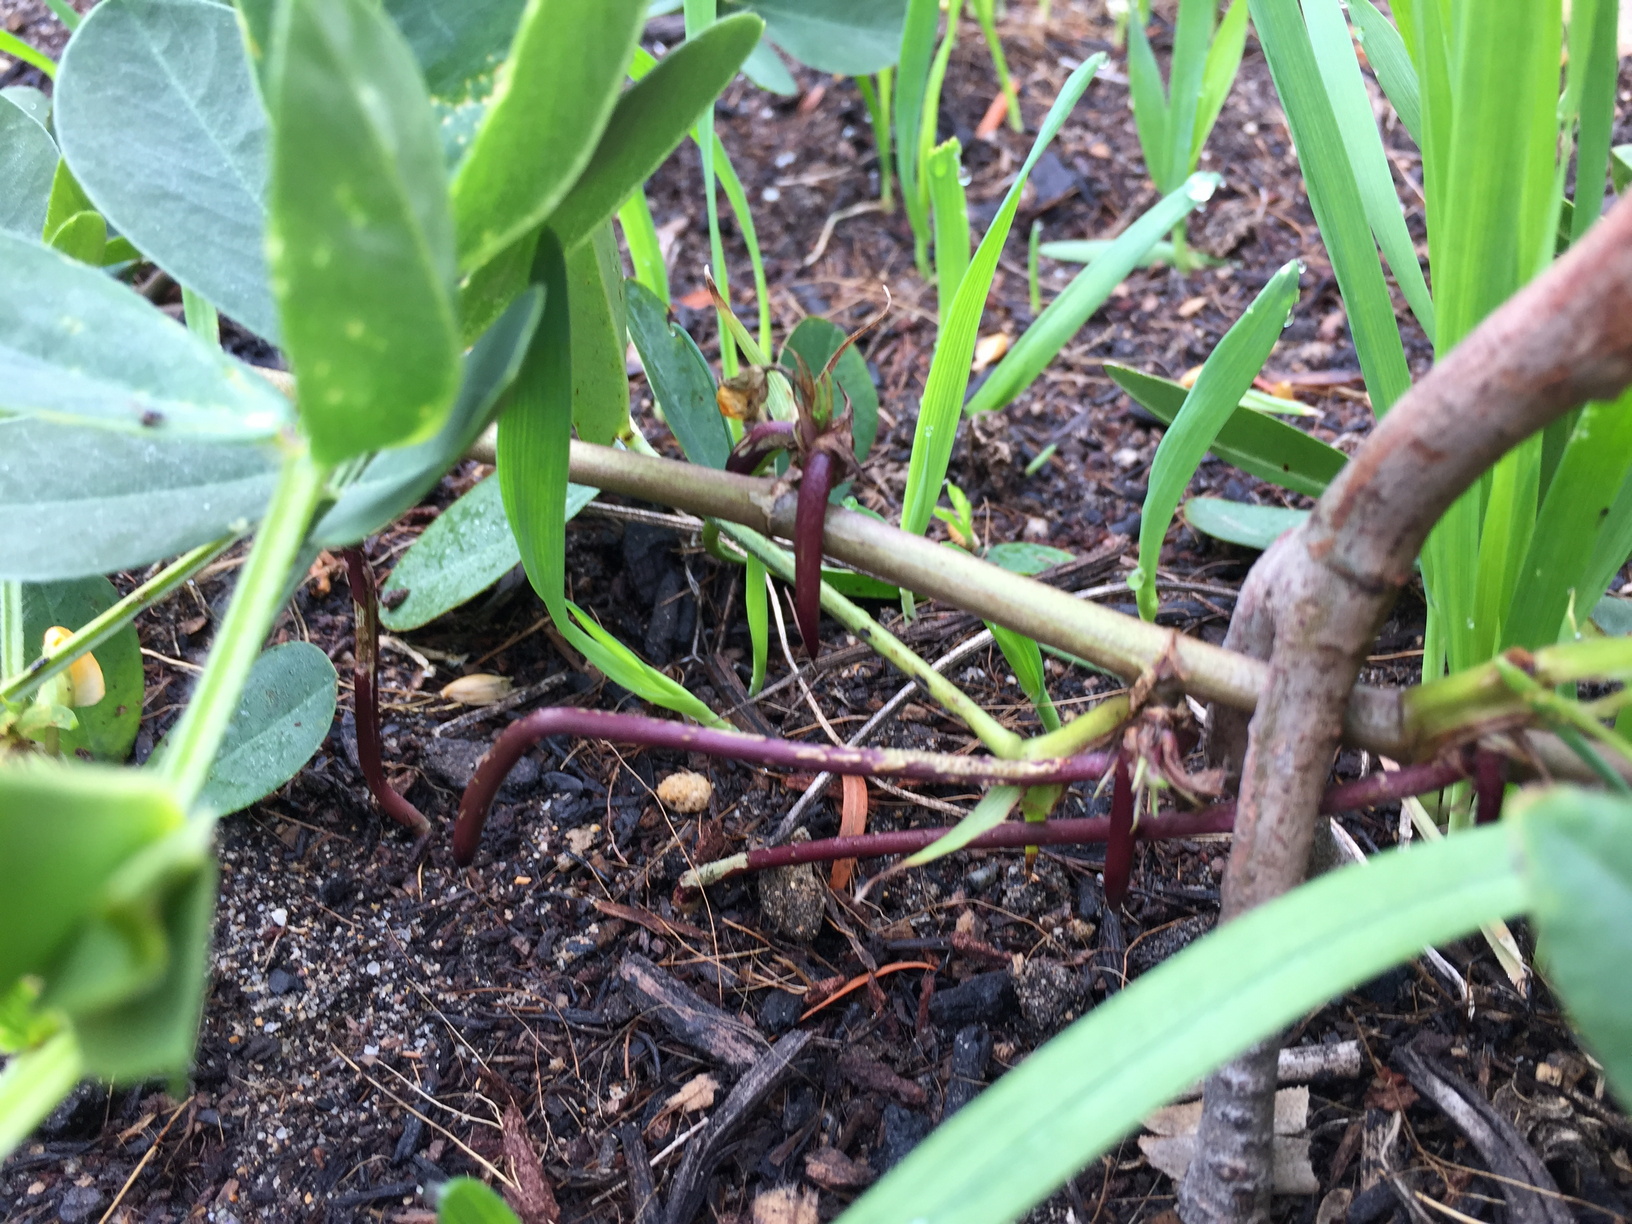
(13, 644)
(999, 740)
(1033, 242)
(877, 97)
(700, 15)
(24, 680)
(750, 237)
(12, 45)
(1404, 724)
(984, 13)
(302, 485)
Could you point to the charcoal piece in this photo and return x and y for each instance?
(452, 762)
(780, 1011)
(413, 1132)
(282, 982)
(80, 1203)
(971, 1054)
(903, 1131)
(688, 1017)
(984, 998)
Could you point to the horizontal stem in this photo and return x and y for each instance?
(520, 737)
(1121, 644)
(1013, 834)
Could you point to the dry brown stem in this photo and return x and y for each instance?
(1564, 339)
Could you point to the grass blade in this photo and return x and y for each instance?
(1087, 292)
(1260, 446)
(1223, 61)
(1575, 513)
(911, 81)
(1224, 378)
(1351, 106)
(942, 403)
(645, 251)
(1335, 198)
(1082, 1092)
(1386, 53)
(951, 213)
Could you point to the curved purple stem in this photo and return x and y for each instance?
(808, 523)
(365, 705)
(1489, 785)
(1119, 836)
(759, 444)
(520, 736)
(1013, 834)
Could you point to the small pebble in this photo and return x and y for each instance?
(685, 792)
(80, 1203)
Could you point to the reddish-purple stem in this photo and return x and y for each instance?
(365, 654)
(759, 444)
(1219, 818)
(1119, 846)
(1489, 785)
(808, 522)
(520, 736)
(1010, 835)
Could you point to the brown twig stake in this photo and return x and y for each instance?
(366, 707)
(1314, 604)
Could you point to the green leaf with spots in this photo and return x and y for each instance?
(107, 729)
(564, 74)
(396, 479)
(360, 235)
(460, 59)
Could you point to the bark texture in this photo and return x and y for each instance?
(1318, 599)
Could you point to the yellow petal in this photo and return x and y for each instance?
(84, 674)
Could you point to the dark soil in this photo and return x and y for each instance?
(376, 1025)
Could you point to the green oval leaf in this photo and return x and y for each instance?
(1022, 557)
(1240, 522)
(107, 729)
(79, 347)
(849, 37)
(360, 236)
(464, 551)
(123, 501)
(283, 717)
(28, 159)
(817, 339)
(1581, 860)
(679, 378)
(559, 84)
(158, 115)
